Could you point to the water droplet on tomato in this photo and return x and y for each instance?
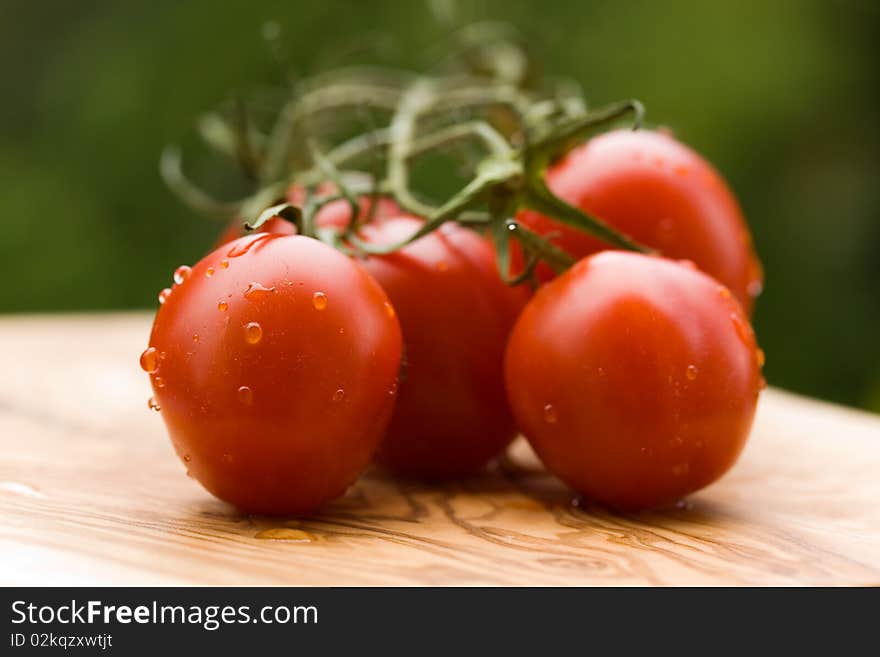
(754, 288)
(195, 337)
(691, 372)
(760, 357)
(150, 360)
(224, 264)
(319, 300)
(338, 395)
(158, 381)
(244, 244)
(187, 458)
(153, 405)
(209, 272)
(550, 416)
(245, 395)
(389, 309)
(286, 534)
(253, 333)
(742, 329)
(182, 273)
(257, 291)
(227, 458)
(723, 292)
(681, 469)
(222, 306)
(164, 294)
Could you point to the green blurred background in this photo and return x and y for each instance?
(781, 96)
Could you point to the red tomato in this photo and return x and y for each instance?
(275, 364)
(452, 414)
(635, 378)
(660, 192)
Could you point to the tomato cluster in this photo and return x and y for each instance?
(356, 325)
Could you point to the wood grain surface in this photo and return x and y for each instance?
(92, 493)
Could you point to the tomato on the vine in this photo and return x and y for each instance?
(274, 361)
(452, 415)
(658, 191)
(635, 378)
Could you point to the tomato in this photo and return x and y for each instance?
(660, 192)
(452, 414)
(275, 362)
(635, 378)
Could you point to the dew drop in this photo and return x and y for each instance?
(338, 395)
(245, 395)
(182, 273)
(195, 337)
(227, 458)
(755, 288)
(723, 292)
(244, 244)
(153, 405)
(389, 309)
(742, 330)
(691, 372)
(150, 360)
(319, 300)
(760, 357)
(159, 382)
(225, 264)
(209, 272)
(550, 414)
(187, 458)
(222, 306)
(164, 294)
(253, 333)
(257, 291)
(681, 469)
(286, 534)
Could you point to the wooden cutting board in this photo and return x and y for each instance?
(91, 493)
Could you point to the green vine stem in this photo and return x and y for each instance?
(522, 130)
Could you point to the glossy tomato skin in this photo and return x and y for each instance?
(278, 360)
(452, 414)
(663, 194)
(635, 378)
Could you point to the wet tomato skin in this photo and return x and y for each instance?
(278, 360)
(660, 192)
(452, 415)
(635, 378)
